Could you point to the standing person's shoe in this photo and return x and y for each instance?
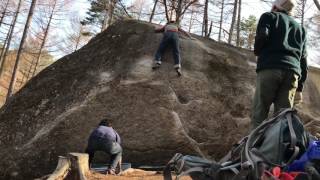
(156, 64)
(178, 70)
(177, 67)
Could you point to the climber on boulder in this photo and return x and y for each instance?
(280, 45)
(105, 138)
(170, 37)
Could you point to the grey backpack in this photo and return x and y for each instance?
(276, 142)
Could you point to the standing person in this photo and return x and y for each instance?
(105, 138)
(170, 36)
(280, 45)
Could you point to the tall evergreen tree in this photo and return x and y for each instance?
(97, 14)
(248, 31)
(102, 13)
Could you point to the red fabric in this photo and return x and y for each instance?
(276, 174)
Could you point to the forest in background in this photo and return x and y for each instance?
(34, 33)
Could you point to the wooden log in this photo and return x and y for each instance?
(79, 165)
(61, 170)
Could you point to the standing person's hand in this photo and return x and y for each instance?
(298, 98)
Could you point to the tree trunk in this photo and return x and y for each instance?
(166, 9)
(233, 21)
(316, 2)
(153, 10)
(44, 39)
(78, 40)
(210, 29)
(9, 37)
(238, 23)
(16, 65)
(205, 19)
(304, 2)
(191, 21)
(4, 47)
(112, 4)
(179, 11)
(4, 12)
(105, 19)
(221, 20)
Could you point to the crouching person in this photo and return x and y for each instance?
(105, 138)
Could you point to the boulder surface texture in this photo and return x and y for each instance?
(156, 113)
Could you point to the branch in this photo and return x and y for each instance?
(124, 8)
(188, 5)
(316, 2)
(166, 9)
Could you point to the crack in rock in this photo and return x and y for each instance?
(51, 125)
(194, 144)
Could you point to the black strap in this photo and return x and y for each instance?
(167, 170)
(256, 133)
(293, 137)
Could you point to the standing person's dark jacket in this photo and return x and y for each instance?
(281, 44)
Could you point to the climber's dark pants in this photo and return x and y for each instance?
(275, 86)
(100, 144)
(173, 39)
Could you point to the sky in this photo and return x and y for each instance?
(249, 7)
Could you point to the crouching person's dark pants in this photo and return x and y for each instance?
(112, 148)
(173, 39)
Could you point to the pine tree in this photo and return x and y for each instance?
(97, 14)
(102, 13)
(248, 31)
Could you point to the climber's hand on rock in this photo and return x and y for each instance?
(298, 98)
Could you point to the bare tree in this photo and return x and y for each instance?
(24, 35)
(193, 13)
(46, 31)
(112, 4)
(221, 20)
(138, 9)
(76, 36)
(205, 19)
(105, 14)
(210, 29)
(153, 10)
(8, 39)
(301, 10)
(178, 7)
(316, 2)
(166, 9)
(4, 11)
(238, 23)
(233, 21)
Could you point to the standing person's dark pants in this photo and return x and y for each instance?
(100, 144)
(173, 39)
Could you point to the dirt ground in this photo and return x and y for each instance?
(132, 174)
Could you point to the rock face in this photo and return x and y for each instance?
(155, 112)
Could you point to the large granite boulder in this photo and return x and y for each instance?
(156, 113)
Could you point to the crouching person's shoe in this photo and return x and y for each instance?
(156, 64)
(111, 172)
